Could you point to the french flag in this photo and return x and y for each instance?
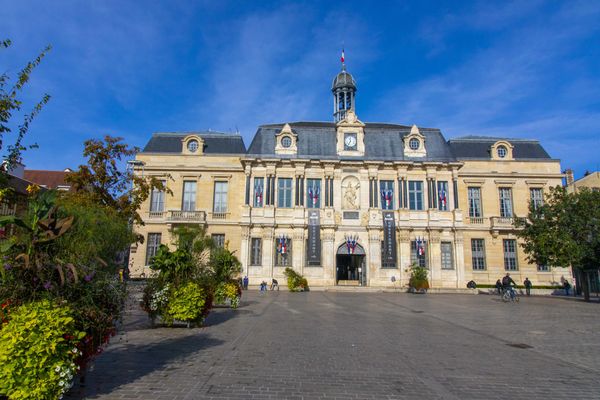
(343, 58)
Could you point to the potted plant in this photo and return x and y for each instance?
(418, 282)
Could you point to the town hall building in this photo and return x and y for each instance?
(350, 202)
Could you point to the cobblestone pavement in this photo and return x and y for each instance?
(326, 345)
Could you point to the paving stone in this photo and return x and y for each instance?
(324, 345)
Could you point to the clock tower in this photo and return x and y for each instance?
(344, 91)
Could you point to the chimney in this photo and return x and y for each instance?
(569, 176)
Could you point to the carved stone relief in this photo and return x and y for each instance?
(351, 186)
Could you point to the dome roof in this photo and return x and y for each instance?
(343, 80)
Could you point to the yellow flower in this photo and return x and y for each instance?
(33, 189)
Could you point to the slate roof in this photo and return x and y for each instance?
(214, 143)
(478, 147)
(317, 140)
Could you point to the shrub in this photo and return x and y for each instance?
(38, 347)
(295, 281)
(418, 278)
(185, 304)
(228, 290)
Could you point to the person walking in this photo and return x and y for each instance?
(245, 282)
(566, 286)
(528, 285)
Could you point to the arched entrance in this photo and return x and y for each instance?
(350, 266)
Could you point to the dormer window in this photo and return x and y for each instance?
(286, 142)
(192, 146)
(501, 151)
(414, 144)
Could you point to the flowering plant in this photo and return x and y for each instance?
(228, 291)
(38, 350)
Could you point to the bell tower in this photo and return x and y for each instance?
(344, 90)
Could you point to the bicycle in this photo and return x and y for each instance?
(510, 294)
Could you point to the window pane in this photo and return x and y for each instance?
(386, 191)
(157, 199)
(259, 191)
(446, 248)
(506, 202)
(218, 239)
(220, 197)
(418, 253)
(415, 195)
(510, 254)
(478, 254)
(442, 192)
(152, 246)
(474, 202)
(284, 192)
(189, 195)
(313, 193)
(256, 250)
(537, 198)
(283, 252)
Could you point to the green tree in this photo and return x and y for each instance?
(104, 181)
(10, 104)
(564, 231)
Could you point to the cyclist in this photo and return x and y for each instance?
(506, 286)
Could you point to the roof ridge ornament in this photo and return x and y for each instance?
(415, 130)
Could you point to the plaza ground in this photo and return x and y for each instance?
(335, 345)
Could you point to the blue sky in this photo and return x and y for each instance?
(528, 69)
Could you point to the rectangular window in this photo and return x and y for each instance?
(256, 251)
(157, 199)
(415, 195)
(447, 262)
(478, 254)
(418, 253)
(543, 268)
(442, 194)
(386, 191)
(153, 242)
(259, 192)
(283, 252)
(220, 198)
(474, 202)
(218, 239)
(313, 193)
(510, 254)
(189, 196)
(537, 197)
(506, 210)
(284, 192)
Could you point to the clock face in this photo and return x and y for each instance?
(350, 140)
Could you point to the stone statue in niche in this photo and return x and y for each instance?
(351, 193)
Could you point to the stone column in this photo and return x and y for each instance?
(328, 255)
(404, 256)
(374, 256)
(244, 251)
(459, 257)
(268, 253)
(299, 250)
(435, 259)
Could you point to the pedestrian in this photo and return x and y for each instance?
(245, 282)
(274, 284)
(566, 286)
(499, 286)
(527, 284)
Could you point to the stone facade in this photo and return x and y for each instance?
(449, 205)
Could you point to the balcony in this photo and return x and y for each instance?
(156, 214)
(476, 220)
(186, 216)
(502, 223)
(218, 215)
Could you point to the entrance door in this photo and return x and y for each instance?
(351, 268)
